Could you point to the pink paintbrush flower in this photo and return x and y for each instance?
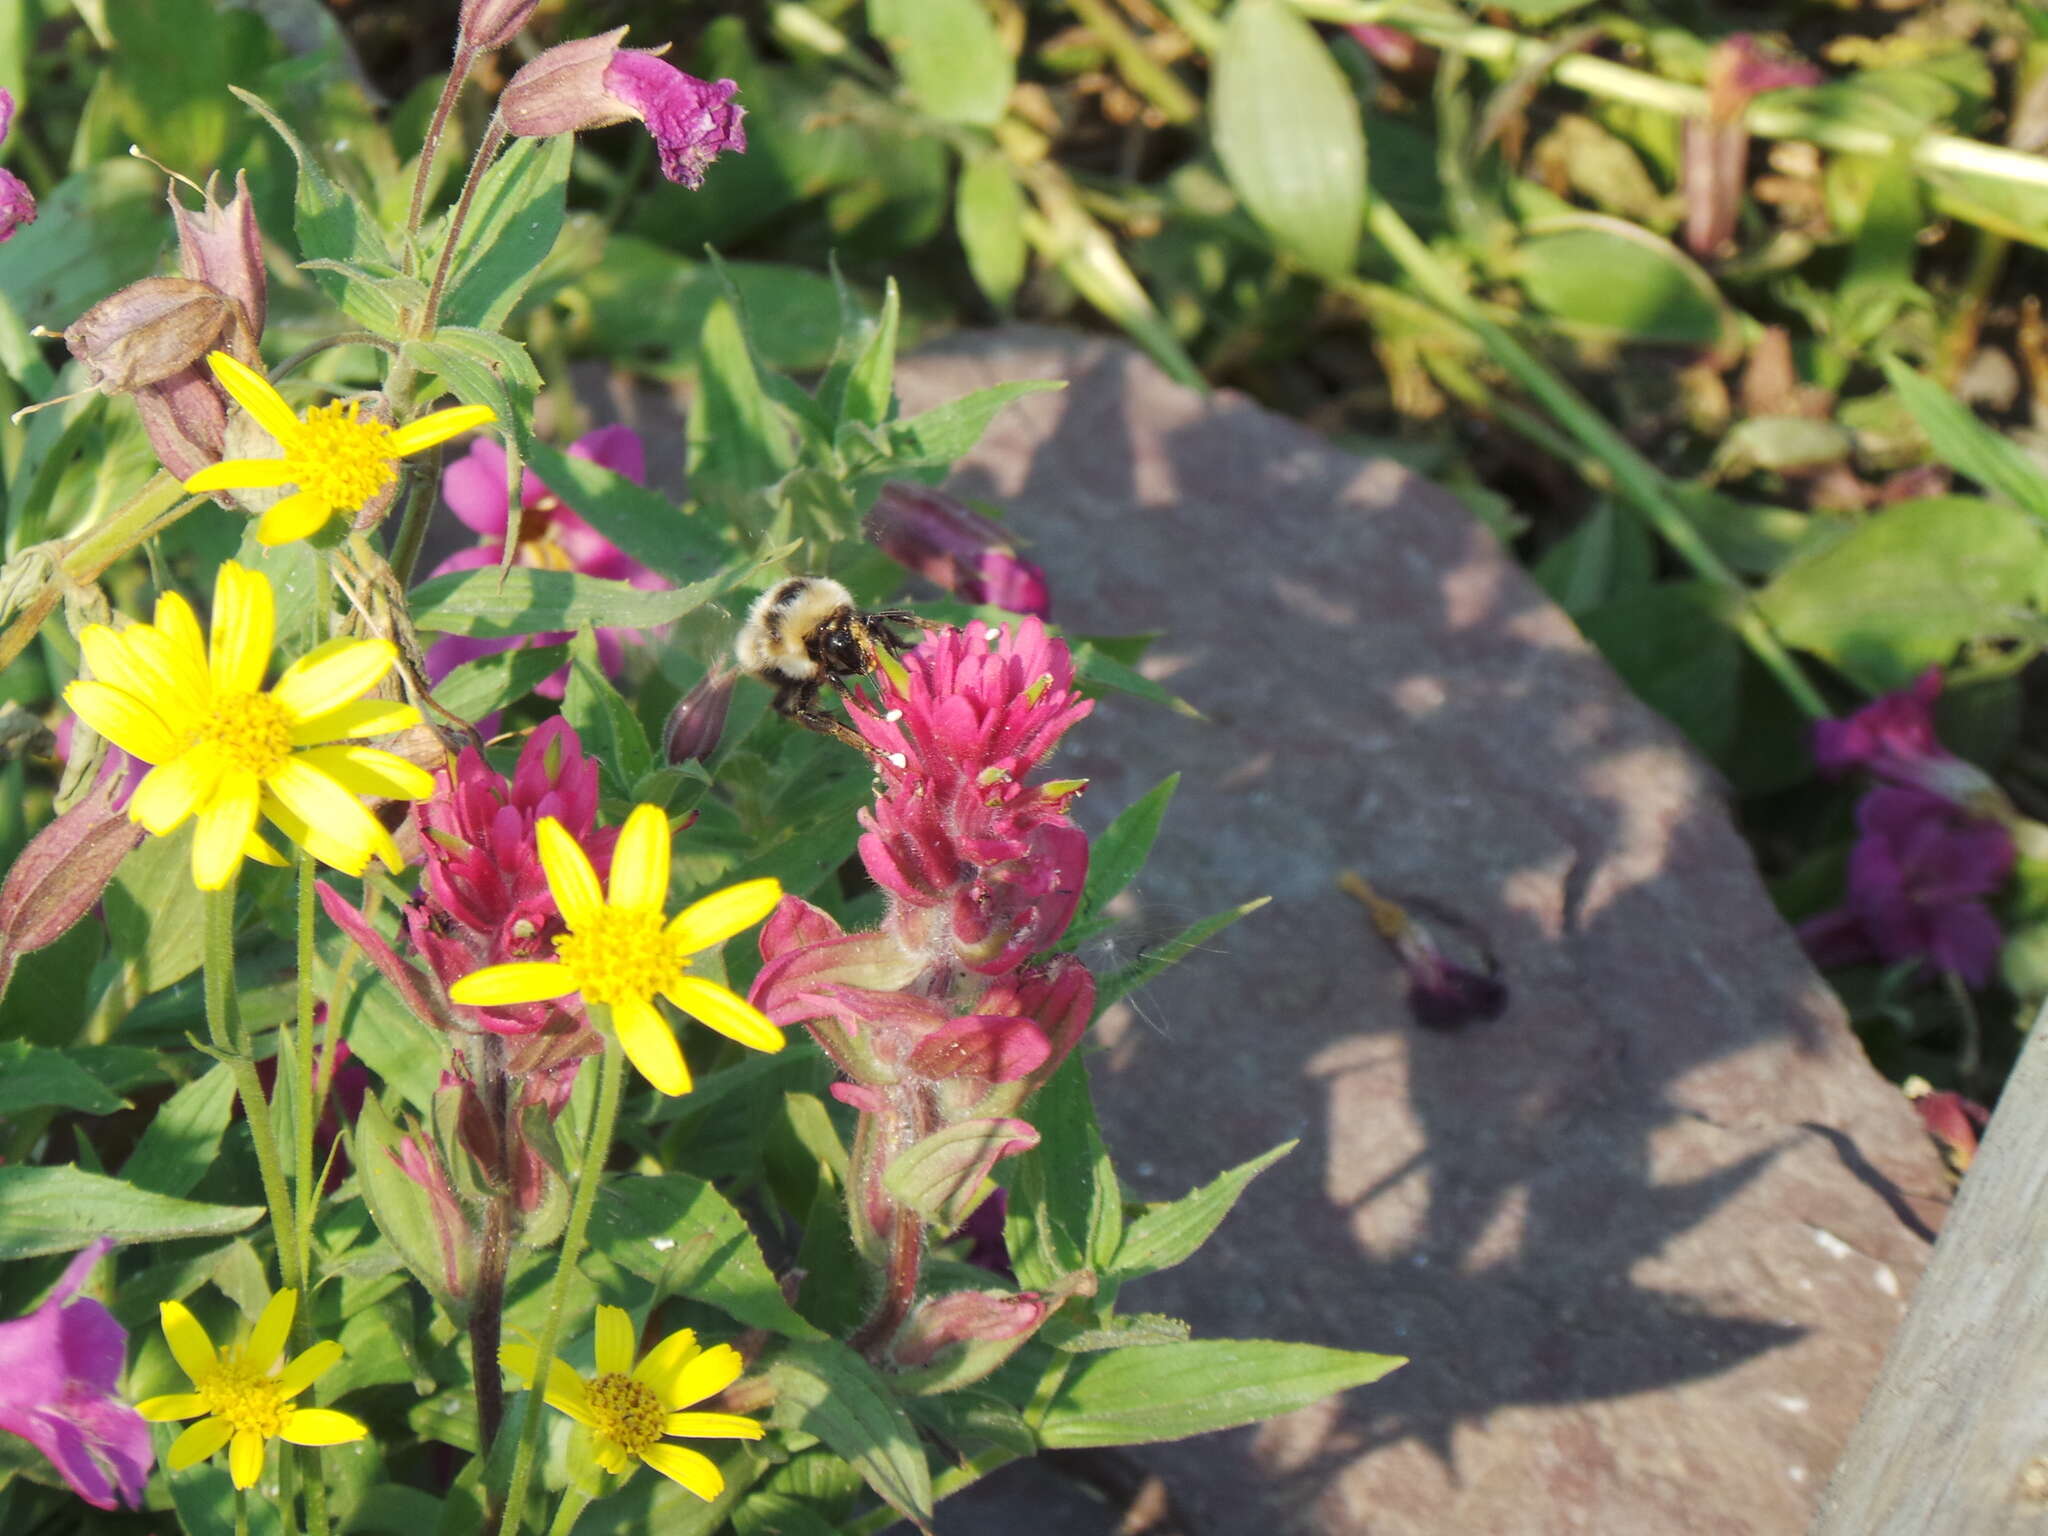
(954, 547)
(17, 203)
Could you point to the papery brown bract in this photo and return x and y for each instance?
(62, 873)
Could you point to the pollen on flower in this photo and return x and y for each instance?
(247, 1398)
(251, 730)
(620, 953)
(626, 1412)
(339, 458)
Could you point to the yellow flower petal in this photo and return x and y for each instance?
(615, 1341)
(640, 861)
(225, 823)
(694, 1470)
(187, 688)
(190, 1346)
(245, 1458)
(123, 719)
(244, 629)
(370, 771)
(715, 1426)
(114, 661)
(651, 1045)
(722, 914)
(254, 394)
(661, 1370)
(708, 1375)
(330, 675)
(179, 626)
(307, 1367)
(171, 1406)
(565, 1388)
(725, 1011)
(257, 849)
(523, 981)
(439, 427)
(241, 475)
(266, 1340)
(298, 516)
(570, 878)
(198, 1442)
(321, 1426)
(341, 832)
(358, 717)
(170, 793)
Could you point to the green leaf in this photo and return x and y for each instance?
(1153, 961)
(643, 523)
(476, 688)
(952, 62)
(183, 1140)
(1167, 1234)
(824, 1389)
(737, 445)
(61, 1209)
(947, 432)
(1674, 643)
(404, 1212)
(1287, 128)
(1066, 1207)
(1966, 444)
(1100, 671)
(682, 1235)
(1904, 589)
(530, 602)
(602, 718)
(870, 387)
(940, 1176)
(35, 1077)
(1613, 280)
(1611, 551)
(155, 925)
(392, 1042)
(512, 226)
(1121, 851)
(97, 231)
(1171, 1391)
(988, 213)
(480, 368)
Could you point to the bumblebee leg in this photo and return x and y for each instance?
(799, 702)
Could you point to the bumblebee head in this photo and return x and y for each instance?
(845, 647)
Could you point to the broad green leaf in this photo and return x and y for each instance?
(36, 1077)
(61, 1209)
(1153, 961)
(777, 1514)
(477, 688)
(952, 62)
(603, 719)
(947, 432)
(682, 1235)
(531, 602)
(183, 1140)
(970, 1421)
(738, 447)
(1904, 589)
(1287, 128)
(1121, 851)
(172, 64)
(1966, 444)
(204, 1498)
(1066, 1207)
(391, 1042)
(1614, 280)
(824, 1389)
(154, 923)
(870, 387)
(1167, 1234)
(988, 214)
(643, 523)
(512, 226)
(1171, 1391)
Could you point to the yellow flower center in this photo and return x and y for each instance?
(621, 953)
(340, 459)
(626, 1412)
(251, 730)
(246, 1397)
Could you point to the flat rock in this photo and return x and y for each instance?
(1645, 1235)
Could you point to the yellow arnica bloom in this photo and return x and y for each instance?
(338, 458)
(246, 1399)
(225, 749)
(628, 1408)
(622, 952)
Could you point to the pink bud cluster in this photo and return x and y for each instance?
(949, 1016)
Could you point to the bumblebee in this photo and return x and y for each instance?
(806, 632)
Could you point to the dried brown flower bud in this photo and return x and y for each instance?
(62, 872)
(149, 331)
(494, 23)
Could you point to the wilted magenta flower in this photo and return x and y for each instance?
(1917, 878)
(1714, 160)
(955, 547)
(60, 1371)
(1445, 989)
(592, 81)
(550, 537)
(1893, 739)
(17, 203)
(1956, 1123)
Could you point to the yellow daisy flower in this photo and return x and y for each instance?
(247, 1400)
(628, 1408)
(622, 952)
(339, 459)
(225, 749)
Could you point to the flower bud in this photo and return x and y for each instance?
(147, 332)
(493, 23)
(956, 548)
(62, 872)
(970, 1318)
(1955, 1123)
(698, 720)
(221, 245)
(17, 203)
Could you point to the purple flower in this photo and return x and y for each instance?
(955, 547)
(17, 203)
(59, 1367)
(1917, 876)
(550, 537)
(1893, 739)
(1714, 161)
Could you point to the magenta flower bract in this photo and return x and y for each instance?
(550, 537)
(60, 1369)
(17, 203)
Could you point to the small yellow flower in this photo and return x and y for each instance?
(621, 952)
(226, 750)
(247, 1400)
(628, 1408)
(339, 459)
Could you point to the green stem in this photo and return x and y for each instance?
(1638, 482)
(485, 152)
(569, 1511)
(458, 75)
(611, 1071)
(1158, 84)
(422, 492)
(306, 1090)
(241, 1512)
